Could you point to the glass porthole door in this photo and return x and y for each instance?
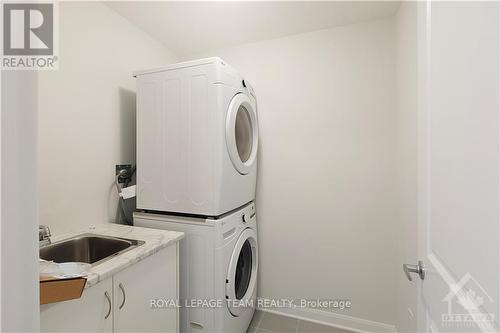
(242, 133)
(242, 273)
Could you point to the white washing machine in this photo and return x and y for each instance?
(197, 138)
(218, 263)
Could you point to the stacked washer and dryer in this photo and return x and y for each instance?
(197, 139)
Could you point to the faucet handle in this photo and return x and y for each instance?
(43, 232)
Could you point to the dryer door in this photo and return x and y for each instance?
(242, 274)
(242, 135)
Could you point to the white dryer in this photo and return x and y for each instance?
(197, 138)
(218, 262)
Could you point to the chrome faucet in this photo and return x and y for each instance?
(43, 235)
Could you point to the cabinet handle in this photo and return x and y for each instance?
(123, 292)
(109, 304)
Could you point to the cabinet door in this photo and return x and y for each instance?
(86, 314)
(136, 287)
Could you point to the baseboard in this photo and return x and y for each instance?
(344, 322)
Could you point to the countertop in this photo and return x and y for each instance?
(154, 239)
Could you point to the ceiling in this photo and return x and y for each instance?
(188, 28)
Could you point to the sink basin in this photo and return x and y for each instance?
(89, 248)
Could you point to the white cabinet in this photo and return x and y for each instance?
(136, 287)
(128, 308)
(90, 313)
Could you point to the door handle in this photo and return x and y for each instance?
(419, 269)
(123, 292)
(109, 304)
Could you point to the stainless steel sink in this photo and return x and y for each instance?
(89, 248)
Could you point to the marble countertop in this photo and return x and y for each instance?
(154, 239)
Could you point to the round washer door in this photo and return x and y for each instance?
(242, 274)
(242, 135)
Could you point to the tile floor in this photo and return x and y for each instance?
(265, 322)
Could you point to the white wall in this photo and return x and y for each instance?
(327, 182)
(87, 113)
(19, 245)
(406, 27)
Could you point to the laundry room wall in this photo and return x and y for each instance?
(87, 113)
(327, 179)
